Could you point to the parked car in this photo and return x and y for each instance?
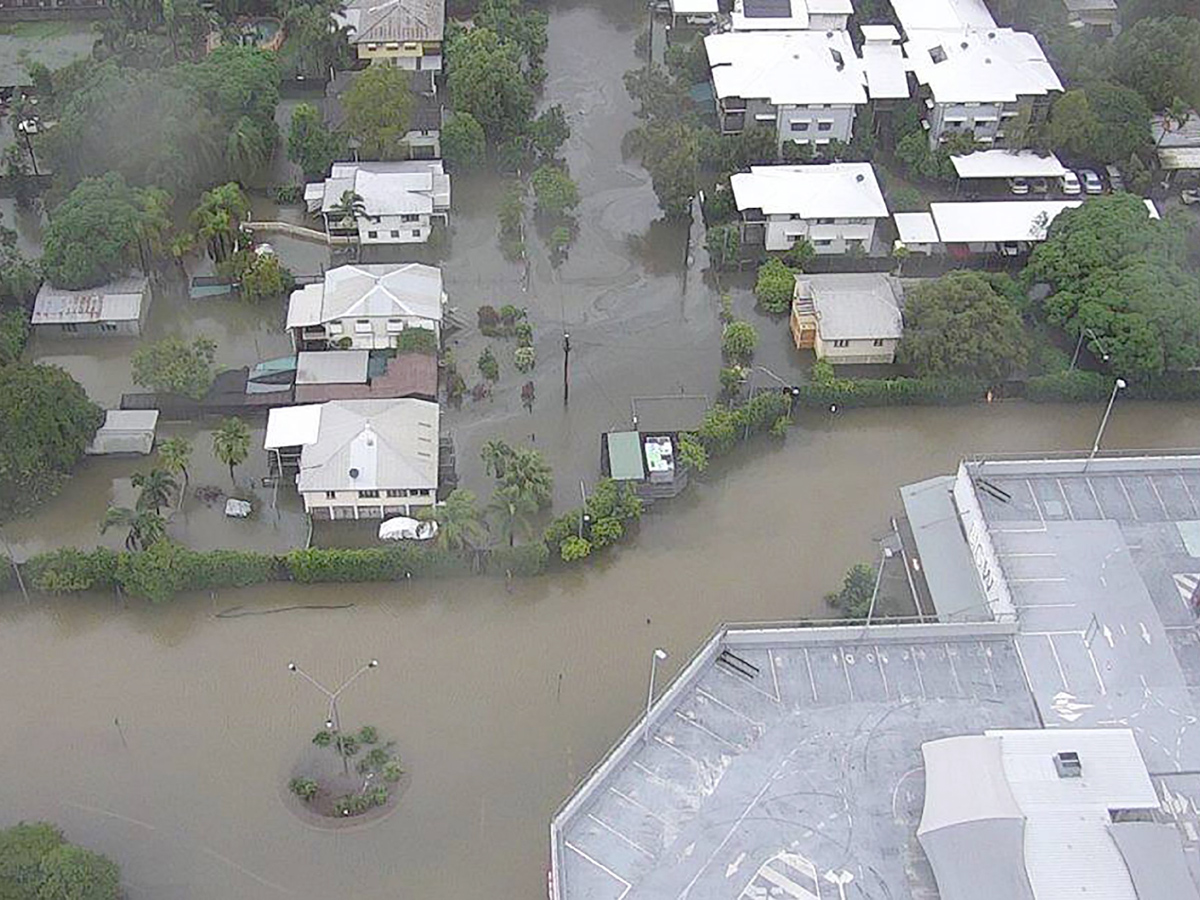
(1010, 248)
(1039, 185)
(1069, 183)
(1190, 196)
(1091, 182)
(1116, 180)
(1018, 186)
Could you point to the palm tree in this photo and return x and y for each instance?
(175, 454)
(530, 474)
(349, 210)
(231, 444)
(145, 526)
(494, 454)
(459, 525)
(157, 488)
(218, 218)
(511, 510)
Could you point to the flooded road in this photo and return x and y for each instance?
(499, 702)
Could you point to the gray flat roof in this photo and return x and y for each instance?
(942, 552)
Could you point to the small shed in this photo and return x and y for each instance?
(116, 309)
(646, 460)
(125, 431)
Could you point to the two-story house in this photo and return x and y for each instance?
(405, 33)
(835, 207)
(803, 85)
(365, 307)
(358, 459)
(400, 201)
(848, 317)
(423, 139)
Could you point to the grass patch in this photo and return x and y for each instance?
(40, 31)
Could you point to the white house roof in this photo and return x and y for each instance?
(372, 445)
(789, 67)
(292, 426)
(885, 69)
(835, 190)
(332, 367)
(925, 14)
(853, 306)
(125, 431)
(1006, 164)
(369, 291)
(1068, 849)
(980, 65)
(694, 7)
(915, 228)
(1179, 157)
(887, 33)
(971, 222)
(118, 301)
(386, 188)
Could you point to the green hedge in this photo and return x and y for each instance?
(69, 570)
(1077, 386)
(849, 392)
(525, 560)
(609, 509)
(167, 568)
(319, 565)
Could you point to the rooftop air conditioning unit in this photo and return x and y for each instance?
(1068, 765)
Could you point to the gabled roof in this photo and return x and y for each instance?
(369, 291)
(377, 21)
(789, 67)
(834, 190)
(969, 65)
(387, 188)
(918, 14)
(372, 445)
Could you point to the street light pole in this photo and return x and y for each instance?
(27, 127)
(887, 554)
(334, 720)
(1119, 385)
(16, 569)
(658, 655)
(1079, 346)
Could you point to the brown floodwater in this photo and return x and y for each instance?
(499, 702)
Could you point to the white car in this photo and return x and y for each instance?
(402, 528)
(1018, 186)
(1091, 182)
(1069, 183)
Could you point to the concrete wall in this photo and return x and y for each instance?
(394, 230)
(839, 119)
(411, 55)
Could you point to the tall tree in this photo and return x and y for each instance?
(486, 81)
(311, 145)
(458, 521)
(218, 219)
(231, 443)
(93, 234)
(145, 526)
(379, 106)
(464, 145)
(960, 325)
(511, 510)
(156, 488)
(1160, 59)
(174, 454)
(173, 366)
(348, 210)
(530, 475)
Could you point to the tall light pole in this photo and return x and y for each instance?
(659, 655)
(1079, 346)
(1119, 385)
(29, 127)
(887, 554)
(333, 721)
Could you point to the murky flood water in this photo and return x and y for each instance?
(499, 702)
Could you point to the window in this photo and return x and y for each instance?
(764, 117)
(412, 46)
(395, 493)
(335, 327)
(372, 234)
(343, 512)
(394, 326)
(69, 327)
(841, 343)
(371, 48)
(365, 495)
(825, 126)
(822, 243)
(878, 342)
(800, 125)
(393, 45)
(824, 221)
(407, 217)
(395, 234)
(107, 326)
(416, 232)
(331, 495)
(362, 326)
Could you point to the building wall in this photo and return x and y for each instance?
(395, 230)
(863, 352)
(130, 328)
(424, 144)
(352, 505)
(382, 334)
(991, 124)
(827, 236)
(809, 120)
(827, 21)
(411, 55)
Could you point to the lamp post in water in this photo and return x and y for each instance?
(332, 720)
(658, 656)
(1119, 385)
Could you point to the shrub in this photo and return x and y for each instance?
(775, 286)
(847, 392)
(799, 255)
(854, 598)
(524, 334)
(489, 319)
(14, 331)
(522, 560)
(320, 565)
(606, 531)
(417, 340)
(68, 570)
(575, 548)
(692, 453)
(524, 359)
(489, 368)
(905, 199)
(554, 191)
(304, 788)
(1074, 386)
(510, 315)
(738, 341)
(718, 431)
(392, 770)
(166, 568)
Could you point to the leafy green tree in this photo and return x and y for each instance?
(489, 367)
(486, 81)
(247, 148)
(14, 331)
(511, 510)
(146, 526)
(231, 443)
(464, 145)
(22, 849)
(156, 487)
(315, 43)
(311, 145)
(554, 191)
(858, 587)
(495, 455)
(724, 244)
(218, 218)
(660, 97)
(1102, 120)
(46, 421)
(459, 525)
(775, 286)
(74, 873)
(266, 278)
(172, 366)
(379, 107)
(513, 21)
(1160, 59)
(574, 548)
(348, 210)
(738, 341)
(959, 325)
(692, 453)
(174, 454)
(670, 154)
(549, 131)
(20, 278)
(528, 472)
(93, 234)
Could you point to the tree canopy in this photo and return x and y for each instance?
(46, 421)
(1102, 120)
(379, 107)
(37, 863)
(555, 192)
(464, 145)
(1160, 59)
(1121, 278)
(512, 21)
(670, 152)
(486, 80)
(311, 145)
(961, 325)
(173, 366)
(93, 234)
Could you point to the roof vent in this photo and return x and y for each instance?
(354, 473)
(859, 177)
(1067, 764)
(937, 54)
(987, 61)
(829, 34)
(837, 58)
(991, 35)
(964, 45)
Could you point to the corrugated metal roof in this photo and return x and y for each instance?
(332, 367)
(854, 306)
(625, 456)
(117, 301)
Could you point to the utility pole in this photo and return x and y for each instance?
(566, 368)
